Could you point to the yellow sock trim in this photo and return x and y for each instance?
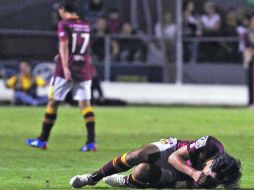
(114, 162)
(123, 160)
(86, 110)
(49, 121)
(51, 92)
(115, 166)
(136, 180)
(50, 110)
(90, 119)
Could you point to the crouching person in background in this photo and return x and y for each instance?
(25, 85)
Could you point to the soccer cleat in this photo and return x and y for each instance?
(115, 180)
(37, 143)
(89, 147)
(80, 181)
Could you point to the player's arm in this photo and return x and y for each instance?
(218, 24)
(40, 82)
(63, 37)
(178, 159)
(247, 57)
(10, 83)
(64, 54)
(247, 52)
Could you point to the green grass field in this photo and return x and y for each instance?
(118, 130)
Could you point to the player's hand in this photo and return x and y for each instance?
(67, 74)
(196, 176)
(202, 178)
(56, 58)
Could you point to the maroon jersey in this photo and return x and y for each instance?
(199, 152)
(77, 32)
(203, 149)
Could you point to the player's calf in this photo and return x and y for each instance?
(48, 123)
(143, 176)
(135, 180)
(146, 154)
(89, 119)
(117, 165)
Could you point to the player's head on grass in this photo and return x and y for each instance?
(227, 170)
(222, 169)
(66, 8)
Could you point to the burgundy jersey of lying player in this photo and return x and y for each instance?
(77, 32)
(203, 149)
(199, 151)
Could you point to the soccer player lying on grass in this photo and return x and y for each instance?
(170, 163)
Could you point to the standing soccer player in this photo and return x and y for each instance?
(72, 74)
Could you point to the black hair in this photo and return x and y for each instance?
(247, 16)
(228, 170)
(186, 3)
(68, 6)
(209, 183)
(113, 10)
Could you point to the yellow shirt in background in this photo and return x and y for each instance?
(25, 82)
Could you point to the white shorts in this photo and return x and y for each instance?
(59, 88)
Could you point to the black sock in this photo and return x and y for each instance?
(90, 124)
(117, 165)
(133, 182)
(49, 120)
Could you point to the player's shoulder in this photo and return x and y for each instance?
(85, 22)
(210, 142)
(62, 23)
(205, 140)
(215, 141)
(82, 25)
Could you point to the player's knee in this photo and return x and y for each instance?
(137, 157)
(141, 171)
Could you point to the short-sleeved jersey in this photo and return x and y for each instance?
(203, 149)
(77, 32)
(199, 152)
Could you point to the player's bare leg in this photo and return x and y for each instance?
(48, 122)
(147, 154)
(143, 176)
(89, 117)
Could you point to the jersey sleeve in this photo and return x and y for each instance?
(196, 147)
(62, 31)
(40, 81)
(10, 83)
(208, 145)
